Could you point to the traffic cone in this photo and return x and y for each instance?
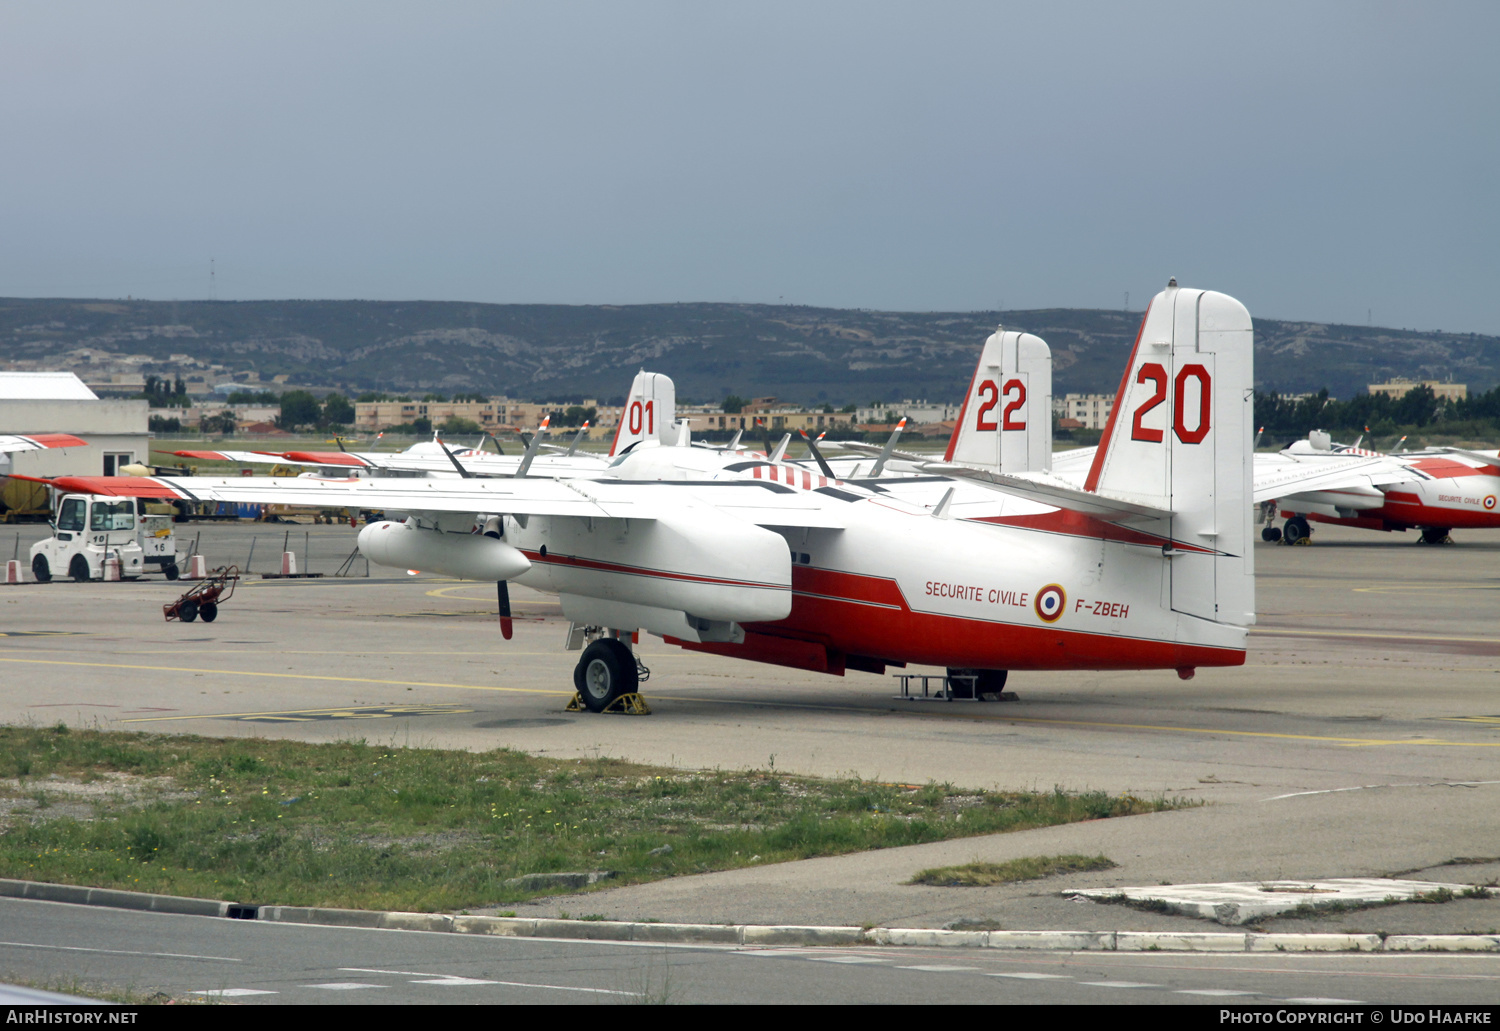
(13, 574)
(288, 563)
(111, 569)
(197, 568)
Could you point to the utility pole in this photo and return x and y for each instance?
(211, 279)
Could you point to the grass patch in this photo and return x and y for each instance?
(353, 825)
(983, 875)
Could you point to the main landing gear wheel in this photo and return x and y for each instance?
(1436, 536)
(1297, 530)
(1270, 535)
(78, 569)
(605, 671)
(40, 570)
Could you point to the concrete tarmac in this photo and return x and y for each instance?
(1362, 736)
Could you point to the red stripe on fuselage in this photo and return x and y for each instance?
(595, 565)
(867, 615)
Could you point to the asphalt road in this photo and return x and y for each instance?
(258, 964)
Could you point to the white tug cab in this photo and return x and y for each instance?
(88, 530)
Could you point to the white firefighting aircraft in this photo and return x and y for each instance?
(1435, 490)
(1147, 565)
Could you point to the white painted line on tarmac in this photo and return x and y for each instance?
(846, 959)
(121, 952)
(1369, 787)
(1318, 1000)
(224, 993)
(1215, 992)
(451, 979)
(1119, 984)
(1029, 976)
(344, 986)
(937, 968)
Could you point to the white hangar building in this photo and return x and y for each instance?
(59, 402)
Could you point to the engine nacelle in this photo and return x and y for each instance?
(468, 556)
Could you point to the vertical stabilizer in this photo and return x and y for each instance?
(1006, 421)
(1180, 437)
(649, 413)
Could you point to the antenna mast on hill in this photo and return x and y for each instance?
(210, 279)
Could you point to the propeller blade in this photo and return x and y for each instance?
(504, 595)
(454, 459)
(812, 447)
(579, 436)
(890, 446)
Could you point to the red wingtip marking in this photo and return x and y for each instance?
(57, 440)
(322, 458)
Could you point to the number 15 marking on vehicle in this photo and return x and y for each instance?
(1008, 419)
(1154, 372)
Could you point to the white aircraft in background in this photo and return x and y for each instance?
(11, 443)
(1434, 490)
(1147, 565)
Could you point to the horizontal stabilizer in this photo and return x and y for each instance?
(1050, 491)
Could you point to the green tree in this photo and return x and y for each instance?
(733, 404)
(458, 424)
(298, 408)
(337, 411)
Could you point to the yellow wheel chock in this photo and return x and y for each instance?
(631, 704)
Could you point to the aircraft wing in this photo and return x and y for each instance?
(264, 457)
(875, 450)
(38, 441)
(1074, 463)
(1281, 475)
(532, 495)
(1049, 490)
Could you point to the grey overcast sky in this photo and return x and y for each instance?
(1318, 160)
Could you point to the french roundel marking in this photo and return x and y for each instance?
(1050, 602)
(1489, 501)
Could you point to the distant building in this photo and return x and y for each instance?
(916, 413)
(1399, 388)
(60, 402)
(1091, 411)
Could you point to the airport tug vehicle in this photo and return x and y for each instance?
(89, 530)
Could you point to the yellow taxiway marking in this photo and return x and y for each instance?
(1273, 632)
(288, 676)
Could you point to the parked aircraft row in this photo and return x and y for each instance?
(1136, 554)
(1146, 565)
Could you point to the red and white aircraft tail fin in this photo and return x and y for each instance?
(1005, 424)
(1180, 439)
(649, 413)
